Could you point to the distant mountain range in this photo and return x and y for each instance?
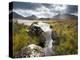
(15, 15)
(33, 17)
(65, 16)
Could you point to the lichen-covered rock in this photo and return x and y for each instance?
(34, 30)
(35, 51)
(31, 50)
(37, 31)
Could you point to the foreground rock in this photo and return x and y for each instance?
(31, 50)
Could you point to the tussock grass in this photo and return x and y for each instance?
(66, 30)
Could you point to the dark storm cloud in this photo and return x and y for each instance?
(47, 5)
(43, 9)
(24, 5)
(34, 6)
(72, 9)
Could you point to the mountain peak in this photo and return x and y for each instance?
(15, 15)
(32, 17)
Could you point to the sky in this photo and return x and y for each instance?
(43, 10)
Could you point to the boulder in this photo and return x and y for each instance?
(37, 31)
(31, 50)
(35, 51)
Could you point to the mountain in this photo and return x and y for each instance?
(15, 15)
(65, 16)
(32, 17)
(44, 18)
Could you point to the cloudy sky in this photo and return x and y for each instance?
(43, 10)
